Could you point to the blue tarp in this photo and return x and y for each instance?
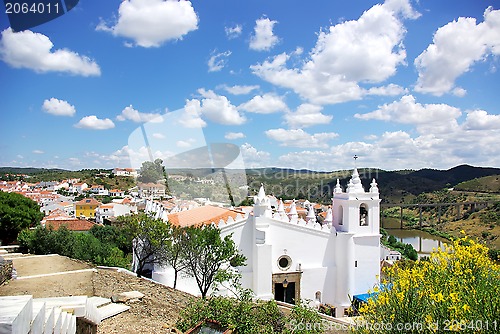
(363, 298)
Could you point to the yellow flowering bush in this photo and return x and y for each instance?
(456, 289)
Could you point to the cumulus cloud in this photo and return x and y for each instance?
(240, 90)
(185, 143)
(264, 104)
(455, 48)
(38, 152)
(307, 115)
(157, 135)
(263, 38)
(219, 109)
(234, 135)
(150, 23)
(131, 114)
(58, 107)
(254, 158)
(300, 138)
(94, 123)
(481, 120)
(33, 51)
(408, 111)
(218, 61)
(191, 118)
(234, 31)
(366, 51)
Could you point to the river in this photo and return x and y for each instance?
(423, 242)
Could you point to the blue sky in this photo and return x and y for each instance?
(402, 84)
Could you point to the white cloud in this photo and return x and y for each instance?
(365, 51)
(300, 138)
(38, 152)
(254, 158)
(185, 143)
(264, 104)
(233, 32)
(307, 115)
(129, 113)
(58, 107)
(218, 61)
(389, 90)
(481, 120)
(191, 116)
(94, 123)
(159, 135)
(263, 38)
(150, 23)
(27, 49)
(234, 135)
(240, 90)
(455, 48)
(219, 109)
(439, 117)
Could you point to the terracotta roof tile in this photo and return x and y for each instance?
(202, 215)
(88, 201)
(71, 224)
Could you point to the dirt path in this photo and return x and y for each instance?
(46, 264)
(157, 312)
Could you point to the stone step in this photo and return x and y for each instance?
(48, 327)
(16, 314)
(38, 317)
(112, 310)
(99, 301)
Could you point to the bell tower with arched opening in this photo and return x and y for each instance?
(356, 218)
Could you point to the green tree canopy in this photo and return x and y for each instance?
(209, 256)
(150, 239)
(16, 213)
(152, 171)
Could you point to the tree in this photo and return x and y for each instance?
(209, 257)
(150, 239)
(16, 213)
(173, 254)
(152, 171)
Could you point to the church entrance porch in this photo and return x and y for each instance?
(286, 287)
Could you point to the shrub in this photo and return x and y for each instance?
(455, 289)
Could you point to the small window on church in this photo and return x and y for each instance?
(318, 296)
(284, 262)
(363, 215)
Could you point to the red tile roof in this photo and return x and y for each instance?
(203, 215)
(88, 201)
(71, 224)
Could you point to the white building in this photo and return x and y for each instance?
(290, 259)
(130, 172)
(113, 210)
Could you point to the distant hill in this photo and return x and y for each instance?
(28, 170)
(489, 184)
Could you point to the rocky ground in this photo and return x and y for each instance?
(157, 312)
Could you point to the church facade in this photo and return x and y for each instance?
(291, 259)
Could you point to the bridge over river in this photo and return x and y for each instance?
(458, 207)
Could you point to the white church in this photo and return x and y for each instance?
(291, 259)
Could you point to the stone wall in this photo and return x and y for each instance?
(5, 270)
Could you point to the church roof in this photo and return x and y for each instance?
(202, 215)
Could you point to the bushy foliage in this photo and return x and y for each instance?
(16, 213)
(457, 289)
(247, 316)
(81, 246)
